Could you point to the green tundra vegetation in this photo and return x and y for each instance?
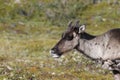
(30, 28)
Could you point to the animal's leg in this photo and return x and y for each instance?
(116, 75)
(107, 64)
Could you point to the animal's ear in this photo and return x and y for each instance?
(82, 28)
(70, 24)
(77, 23)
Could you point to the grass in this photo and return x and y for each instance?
(25, 41)
(26, 56)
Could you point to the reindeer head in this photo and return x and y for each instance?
(69, 40)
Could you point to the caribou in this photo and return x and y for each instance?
(104, 48)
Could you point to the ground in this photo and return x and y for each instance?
(26, 39)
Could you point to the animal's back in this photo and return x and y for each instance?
(115, 34)
(112, 48)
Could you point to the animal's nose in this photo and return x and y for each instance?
(52, 51)
(54, 54)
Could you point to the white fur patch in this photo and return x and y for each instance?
(74, 34)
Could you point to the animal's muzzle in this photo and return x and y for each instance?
(54, 53)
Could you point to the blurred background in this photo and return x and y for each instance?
(30, 28)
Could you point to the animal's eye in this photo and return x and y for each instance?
(69, 37)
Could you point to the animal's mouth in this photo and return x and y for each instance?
(54, 54)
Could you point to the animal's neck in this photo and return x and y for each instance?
(87, 36)
(86, 45)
